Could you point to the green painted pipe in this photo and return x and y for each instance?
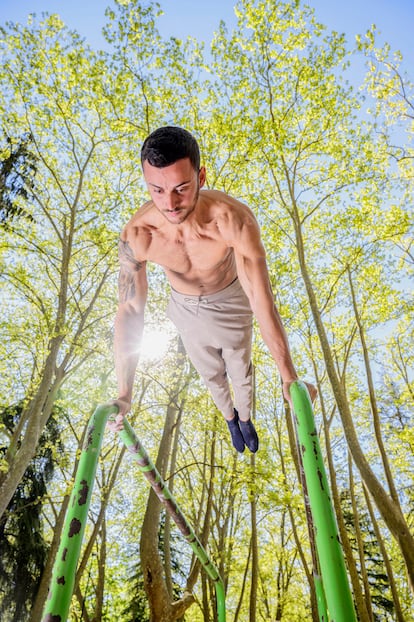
(149, 470)
(320, 597)
(64, 570)
(317, 579)
(331, 560)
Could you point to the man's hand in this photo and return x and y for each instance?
(313, 391)
(118, 423)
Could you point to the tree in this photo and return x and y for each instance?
(17, 172)
(57, 268)
(162, 605)
(299, 117)
(358, 525)
(23, 547)
(282, 129)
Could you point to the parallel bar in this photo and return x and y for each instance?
(317, 579)
(139, 454)
(331, 560)
(64, 571)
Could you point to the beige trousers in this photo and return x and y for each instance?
(216, 331)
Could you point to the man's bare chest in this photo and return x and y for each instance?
(184, 255)
(188, 255)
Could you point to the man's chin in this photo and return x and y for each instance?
(176, 217)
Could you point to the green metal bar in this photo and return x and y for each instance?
(149, 470)
(317, 579)
(320, 597)
(64, 571)
(331, 560)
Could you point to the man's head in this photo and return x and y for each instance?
(168, 144)
(170, 160)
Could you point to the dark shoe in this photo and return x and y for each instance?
(249, 435)
(236, 435)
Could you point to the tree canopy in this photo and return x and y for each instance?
(326, 164)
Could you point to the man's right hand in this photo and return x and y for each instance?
(117, 424)
(312, 390)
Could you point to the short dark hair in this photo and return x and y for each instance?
(168, 144)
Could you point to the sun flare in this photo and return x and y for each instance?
(155, 343)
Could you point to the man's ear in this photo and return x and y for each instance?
(202, 176)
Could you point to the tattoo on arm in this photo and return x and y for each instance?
(126, 256)
(129, 266)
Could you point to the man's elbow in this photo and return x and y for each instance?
(130, 314)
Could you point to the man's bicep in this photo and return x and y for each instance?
(132, 287)
(132, 280)
(126, 256)
(254, 278)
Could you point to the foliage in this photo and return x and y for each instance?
(382, 603)
(326, 165)
(17, 172)
(23, 547)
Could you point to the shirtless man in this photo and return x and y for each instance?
(209, 246)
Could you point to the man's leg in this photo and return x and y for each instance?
(209, 363)
(239, 368)
(213, 364)
(240, 371)
(224, 320)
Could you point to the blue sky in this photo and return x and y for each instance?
(393, 18)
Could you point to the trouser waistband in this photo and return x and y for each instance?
(223, 294)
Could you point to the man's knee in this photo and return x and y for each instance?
(215, 379)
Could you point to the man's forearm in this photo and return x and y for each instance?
(275, 337)
(279, 349)
(127, 339)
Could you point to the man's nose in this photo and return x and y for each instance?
(170, 201)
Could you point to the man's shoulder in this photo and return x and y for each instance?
(217, 197)
(223, 208)
(141, 220)
(214, 195)
(137, 231)
(222, 204)
(233, 219)
(142, 215)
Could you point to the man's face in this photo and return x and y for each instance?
(174, 189)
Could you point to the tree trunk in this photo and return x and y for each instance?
(399, 616)
(253, 515)
(100, 584)
(152, 567)
(37, 609)
(162, 609)
(206, 507)
(167, 523)
(360, 543)
(390, 512)
(243, 586)
(373, 399)
(35, 415)
(254, 546)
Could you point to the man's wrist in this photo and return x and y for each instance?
(124, 399)
(289, 379)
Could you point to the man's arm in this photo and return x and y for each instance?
(253, 273)
(129, 325)
(254, 278)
